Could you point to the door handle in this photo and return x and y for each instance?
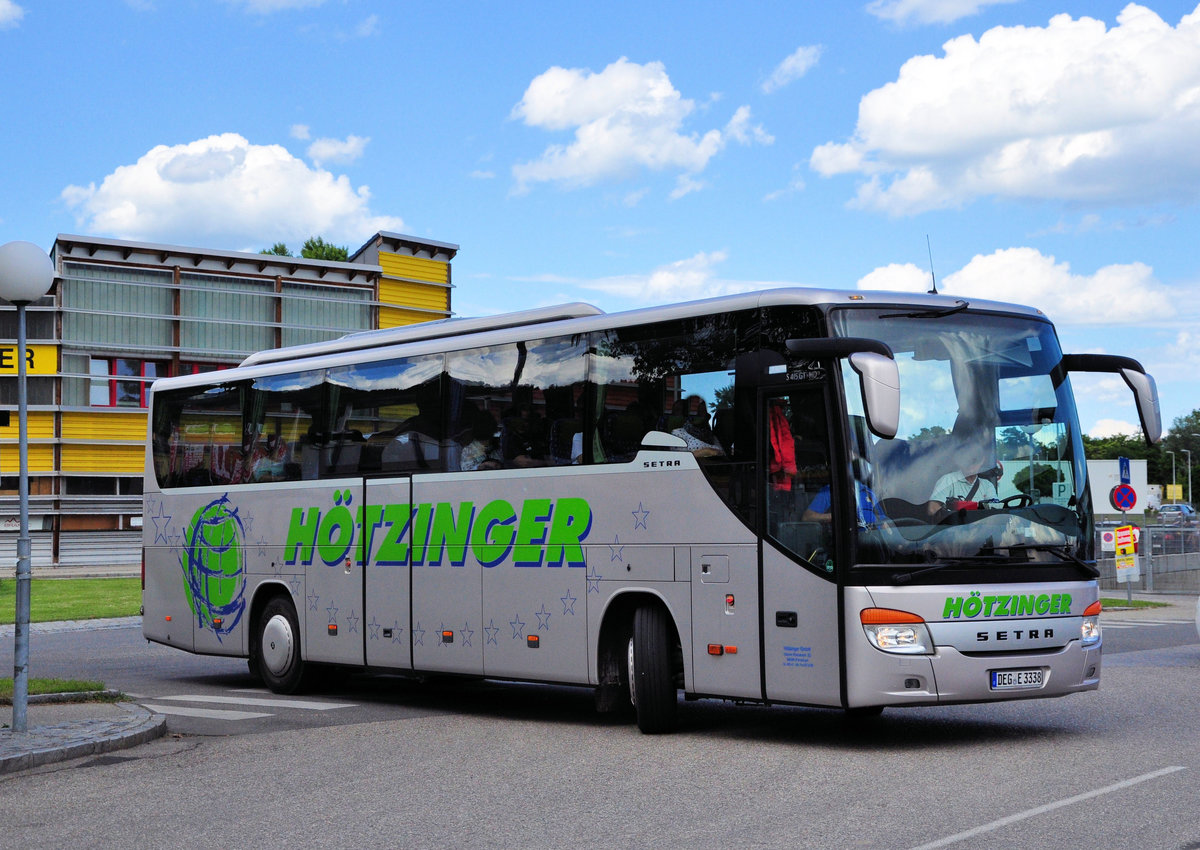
(786, 619)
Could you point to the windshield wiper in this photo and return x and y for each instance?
(959, 306)
(1056, 549)
(959, 560)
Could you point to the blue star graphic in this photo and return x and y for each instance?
(491, 630)
(616, 549)
(247, 523)
(332, 612)
(352, 622)
(418, 635)
(568, 602)
(543, 618)
(374, 628)
(467, 633)
(312, 601)
(397, 632)
(295, 584)
(518, 627)
(640, 516)
(161, 520)
(593, 580)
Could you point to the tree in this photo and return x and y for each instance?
(315, 248)
(1044, 477)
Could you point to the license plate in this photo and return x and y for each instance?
(1013, 680)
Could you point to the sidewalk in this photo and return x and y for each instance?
(58, 731)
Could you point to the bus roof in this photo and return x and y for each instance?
(578, 317)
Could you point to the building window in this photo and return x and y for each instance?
(122, 381)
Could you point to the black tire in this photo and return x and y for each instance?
(278, 655)
(651, 679)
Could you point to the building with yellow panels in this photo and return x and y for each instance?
(121, 314)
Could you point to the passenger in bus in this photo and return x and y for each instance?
(524, 437)
(482, 452)
(269, 462)
(697, 432)
(965, 487)
(870, 511)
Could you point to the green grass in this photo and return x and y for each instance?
(51, 686)
(1137, 603)
(53, 599)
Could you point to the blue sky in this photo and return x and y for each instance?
(634, 153)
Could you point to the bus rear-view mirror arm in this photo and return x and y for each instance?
(1145, 391)
(878, 375)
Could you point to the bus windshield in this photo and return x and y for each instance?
(987, 465)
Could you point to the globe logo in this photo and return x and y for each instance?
(214, 567)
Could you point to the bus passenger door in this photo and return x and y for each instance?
(800, 602)
(387, 625)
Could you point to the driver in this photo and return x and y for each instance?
(966, 484)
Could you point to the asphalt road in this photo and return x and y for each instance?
(386, 762)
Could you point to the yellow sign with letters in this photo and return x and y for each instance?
(39, 359)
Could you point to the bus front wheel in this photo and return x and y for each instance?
(279, 661)
(651, 680)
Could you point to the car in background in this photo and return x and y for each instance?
(1178, 514)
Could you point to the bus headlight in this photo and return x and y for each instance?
(1090, 631)
(898, 632)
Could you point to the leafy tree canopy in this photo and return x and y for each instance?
(315, 248)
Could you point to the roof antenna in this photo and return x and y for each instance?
(932, 276)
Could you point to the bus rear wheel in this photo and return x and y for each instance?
(278, 655)
(651, 681)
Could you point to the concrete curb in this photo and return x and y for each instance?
(40, 745)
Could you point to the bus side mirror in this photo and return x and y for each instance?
(879, 382)
(878, 375)
(1145, 390)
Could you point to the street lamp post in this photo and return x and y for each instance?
(1189, 469)
(26, 274)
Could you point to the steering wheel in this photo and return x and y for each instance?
(1019, 500)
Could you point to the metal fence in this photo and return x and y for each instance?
(1168, 560)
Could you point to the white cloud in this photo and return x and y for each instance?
(266, 7)
(367, 27)
(224, 190)
(1112, 428)
(792, 68)
(626, 118)
(928, 11)
(1123, 295)
(682, 280)
(10, 14)
(341, 151)
(1073, 111)
(300, 131)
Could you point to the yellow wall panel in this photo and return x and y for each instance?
(94, 425)
(420, 295)
(394, 317)
(41, 426)
(109, 460)
(41, 458)
(414, 268)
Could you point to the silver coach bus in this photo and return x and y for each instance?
(852, 500)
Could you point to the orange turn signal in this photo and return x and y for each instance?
(878, 616)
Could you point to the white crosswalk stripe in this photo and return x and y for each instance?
(1133, 624)
(173, 704)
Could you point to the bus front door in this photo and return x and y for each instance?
(800, 609)
(387, 627)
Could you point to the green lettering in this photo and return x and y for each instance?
(419, 536)
(1064, 603)
(337, 530)
(302, 535)
(492, 532)
(448, 534)
(531, 533)
(1043, 604)
(1025, 605)
(988, 602)
(571, 523)
(393, 551)
(953, 607)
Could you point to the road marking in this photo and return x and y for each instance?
(1049, 807)
(210, 713)
(307, 705)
